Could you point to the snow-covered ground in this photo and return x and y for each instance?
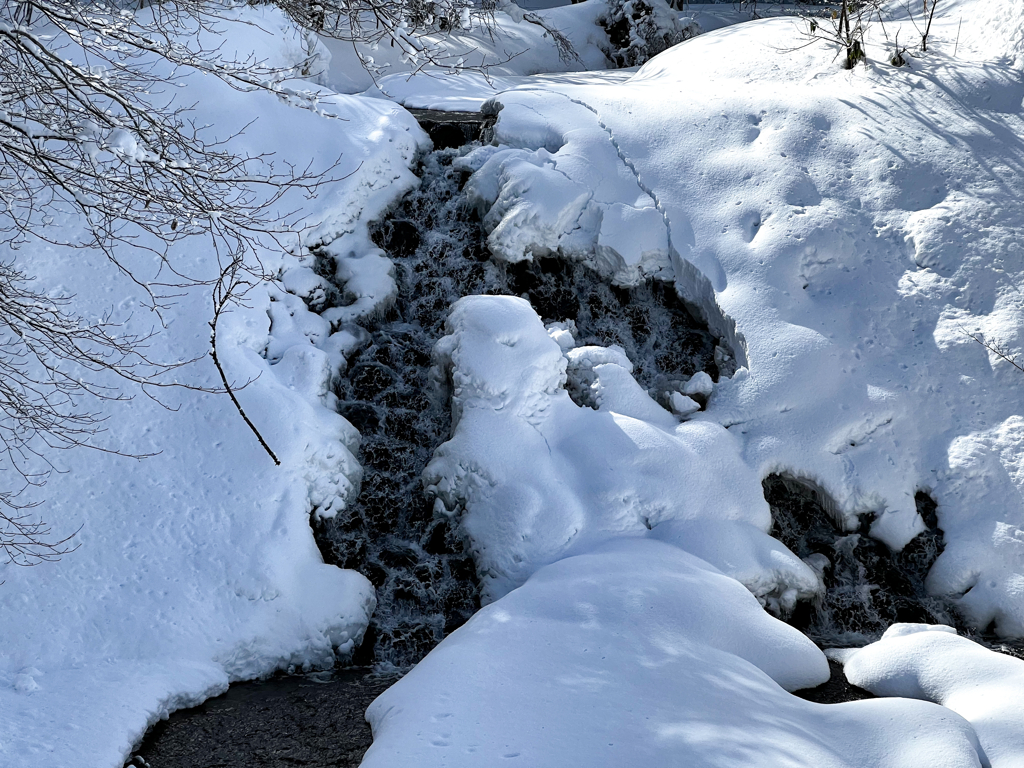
(197, 566)
(853, 235)
(850, 235)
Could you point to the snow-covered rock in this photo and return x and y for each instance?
(640, 654)
(933, 663)
(538, 478)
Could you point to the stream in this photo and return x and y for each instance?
(425, 580)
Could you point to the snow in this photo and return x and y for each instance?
(541, 478)
(512, 48)
(639, 654)
(197, 566)
(935, 664)
(850, 235)
(838, 229)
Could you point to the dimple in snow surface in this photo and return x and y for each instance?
(425, 581)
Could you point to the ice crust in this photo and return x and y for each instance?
(640, 654)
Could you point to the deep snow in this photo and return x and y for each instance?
(197, 566)
(843, 232)
(931, 662)
(819, 217)
(846, 232)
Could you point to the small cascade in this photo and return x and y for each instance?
(867, 586)
(425, 581)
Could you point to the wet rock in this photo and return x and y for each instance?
(450, 130)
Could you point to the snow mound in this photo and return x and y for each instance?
(537, 477)
(639, 654)
(934, 663)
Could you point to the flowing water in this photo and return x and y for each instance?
(867, 586)
(425, 581)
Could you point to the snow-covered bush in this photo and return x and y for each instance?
(638, 30)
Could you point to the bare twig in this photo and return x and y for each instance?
(228, 291)
(995, 349)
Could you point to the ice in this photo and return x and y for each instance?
(699, 384)
(683, 405)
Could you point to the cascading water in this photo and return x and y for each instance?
(425, 581)
(867, 586)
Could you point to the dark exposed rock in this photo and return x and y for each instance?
(450, 130)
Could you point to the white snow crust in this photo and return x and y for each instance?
(934, 663)
(197, 566)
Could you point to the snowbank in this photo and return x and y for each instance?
(508, 45)
(197, 566)
(517, 46)
(639, 654)
(537, 478)
(848, 232)
(845, 232)
(921, 661)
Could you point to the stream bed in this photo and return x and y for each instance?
(416, 559)
(314, 720)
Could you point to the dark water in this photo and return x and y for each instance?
(867, 586)
(836, 690)
(314, 721)
(426, 582)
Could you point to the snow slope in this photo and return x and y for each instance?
(848, 232)
(197, 566)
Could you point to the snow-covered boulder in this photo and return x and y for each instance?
(933, 663)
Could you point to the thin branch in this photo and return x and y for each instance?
(995, 349)
(224, 295)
